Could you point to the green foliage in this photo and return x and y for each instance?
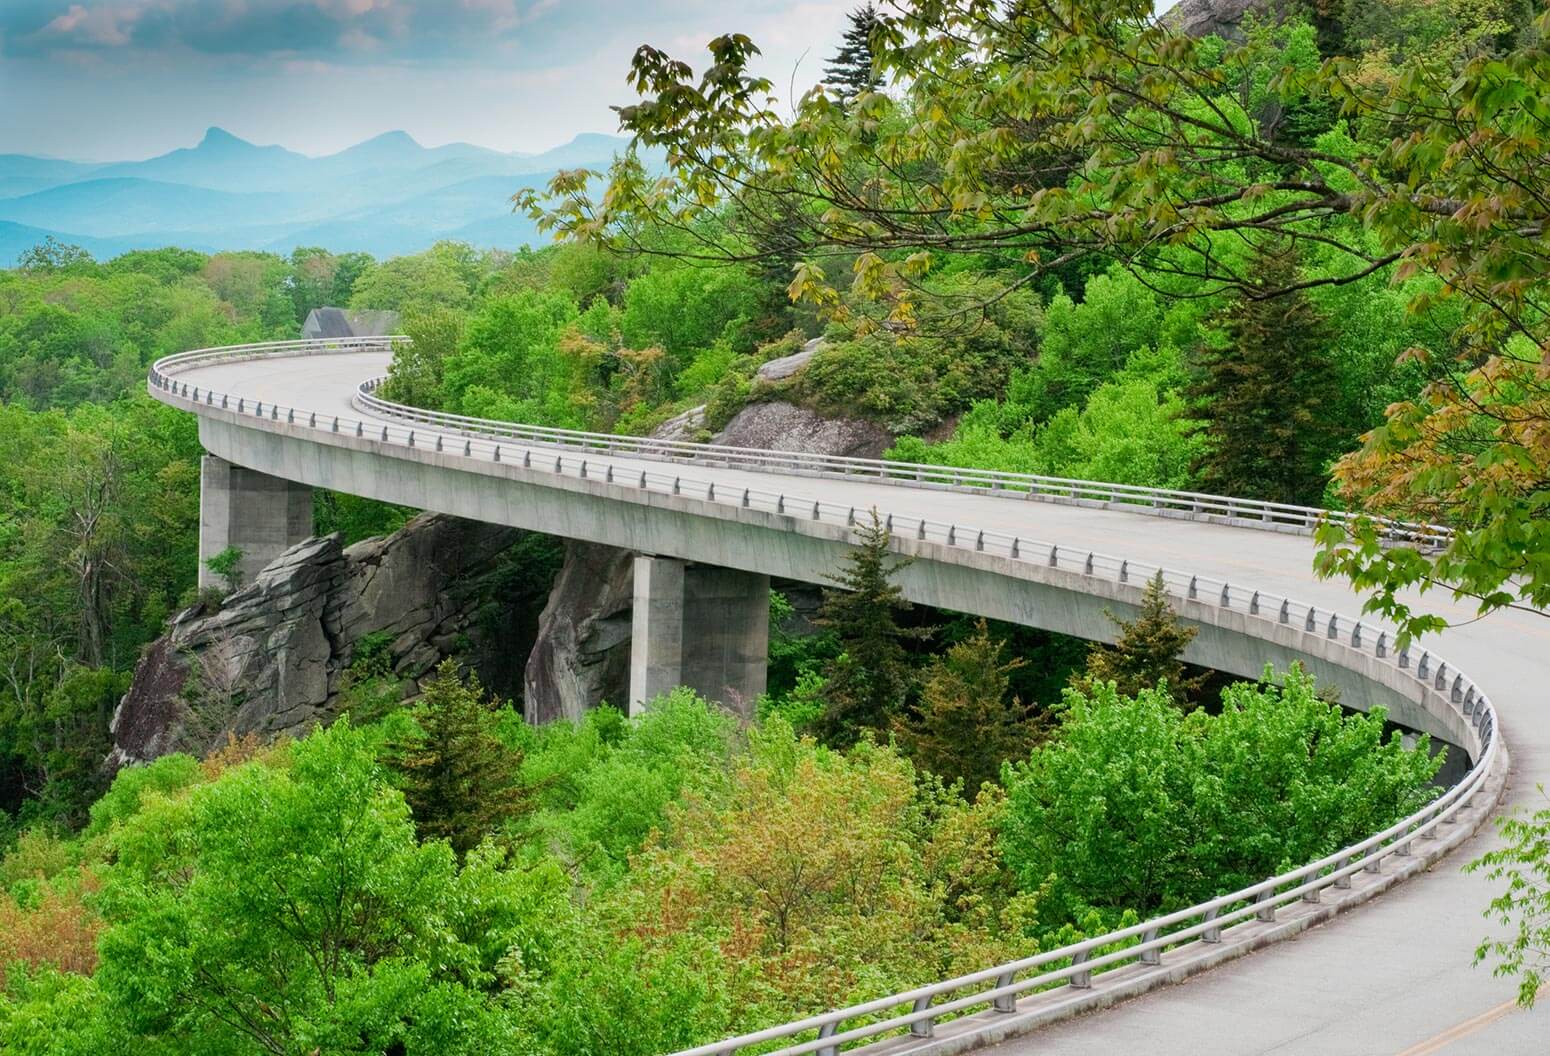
(415, 376)
(1082, 345)
(606, 784)
(964, 725)
(134, 785)
(54, 1013)
(1266, 394)
(681, 309)
(97, 539)
(411, 285)
(1134, 804)
(798, 653)
(1522, 951)
(462, 783)
(1145, 655)
(913, 382)
(1133, 429)
(291, 910)
(870, 679)
(506, 364)
(224, 564)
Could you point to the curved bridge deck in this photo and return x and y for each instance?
(1380, 981)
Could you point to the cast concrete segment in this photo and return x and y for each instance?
(1379, 980)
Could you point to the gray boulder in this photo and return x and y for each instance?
(271, 659)
(786, 366)
(1200, 18)
(782, 426)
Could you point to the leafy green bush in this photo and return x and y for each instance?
(1135, 805)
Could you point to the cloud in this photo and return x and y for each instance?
(393, 30)
(103, 25)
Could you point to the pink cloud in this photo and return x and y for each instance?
(102, 25)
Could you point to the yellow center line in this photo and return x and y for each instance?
(1464, 1029)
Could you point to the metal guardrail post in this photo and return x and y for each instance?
(1005, 1002)
(1081, 980)
(1151, 955)
(922, 1028)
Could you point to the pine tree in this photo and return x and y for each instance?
(868, 683)
(1270, 400)
(964, 727)
(1146, 652)
(853, 70)
(461, 781)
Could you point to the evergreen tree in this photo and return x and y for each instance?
(853, 70)
(964, 727)
(1269, 399)
(461, 781)
(868, 682)
(1146, 652)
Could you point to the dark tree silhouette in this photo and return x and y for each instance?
(853, 68)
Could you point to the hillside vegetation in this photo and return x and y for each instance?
(1303, 264)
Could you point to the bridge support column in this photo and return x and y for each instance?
(699, 626)
(260, 515)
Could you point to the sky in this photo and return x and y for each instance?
(101, 80)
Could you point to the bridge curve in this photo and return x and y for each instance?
(307, 412)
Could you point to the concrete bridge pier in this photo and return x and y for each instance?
(260, 515)
(699, 626)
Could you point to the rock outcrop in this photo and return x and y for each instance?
(786, 366)
(582, 656)
(271, 659)
(1200, 18)
(782, 426)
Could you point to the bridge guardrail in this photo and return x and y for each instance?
(1242, 512)
(918, 1011)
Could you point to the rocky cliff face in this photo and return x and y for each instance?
(1200, 18)
(582, 656)
(270, 660)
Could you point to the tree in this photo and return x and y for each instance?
(415, 375)
(461, 781)
(853, 69)
(288, 909)
(1135, 805)
(52, 255)
(1038, 135)
(1146, 653)
(225, 564)
(869, 681)
(1524, 907)
(964, 727)
(1266, 396)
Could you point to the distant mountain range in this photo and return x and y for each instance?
(386, 196)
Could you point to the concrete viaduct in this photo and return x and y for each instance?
(710, 526)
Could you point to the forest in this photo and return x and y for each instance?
(1301, 259)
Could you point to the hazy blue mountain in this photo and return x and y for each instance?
(105, 208)
(387, 195)
(22, 174)
(221, 161)
(16, 239)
